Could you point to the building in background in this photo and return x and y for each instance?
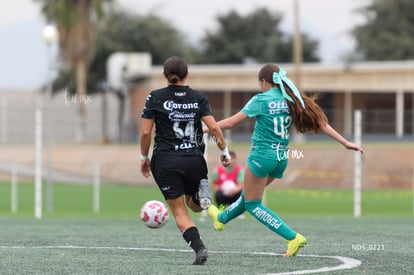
(384, 91)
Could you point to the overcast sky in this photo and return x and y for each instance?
(23, 54)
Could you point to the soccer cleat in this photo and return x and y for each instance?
(204, 194)
(201, 257)
(213, 213)
(294, 245)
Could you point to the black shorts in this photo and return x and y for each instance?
(178, 175)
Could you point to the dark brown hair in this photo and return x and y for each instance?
(175, 69)
(308, 119)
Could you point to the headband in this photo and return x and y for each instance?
(280, 78)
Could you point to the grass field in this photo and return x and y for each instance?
(125, 200)
(124, 246)
(74, 240)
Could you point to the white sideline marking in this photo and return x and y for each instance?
(347, 263)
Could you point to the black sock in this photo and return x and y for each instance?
(192, 237)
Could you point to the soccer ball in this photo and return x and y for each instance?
(154, 214)
(227, 187)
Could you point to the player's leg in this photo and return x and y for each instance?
(167, 172)
(299, 241)
(204, 194)
(180, 213)
(193, 203)
(196, 183)
(233, 211)
(254, 188)
(223, 215)
(189, 230)
(269, 180)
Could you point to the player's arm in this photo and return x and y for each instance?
(332, 133)
(233, 121)
(216, 132)
(145, 141)
(230, 122)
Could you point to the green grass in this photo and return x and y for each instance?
(123, 200)
(104, 245)
(75, 240)
(305, 202)
(77, 199)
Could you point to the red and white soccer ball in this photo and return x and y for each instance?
(154, 214)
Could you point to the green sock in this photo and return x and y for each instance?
(270, 219)
(235, 209)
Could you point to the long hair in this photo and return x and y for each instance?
(308, 119)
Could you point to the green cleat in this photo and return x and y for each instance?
(213, 213)
(294, 245)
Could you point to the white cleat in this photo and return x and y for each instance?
(204, 194)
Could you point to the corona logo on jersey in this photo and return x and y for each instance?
(170, 105)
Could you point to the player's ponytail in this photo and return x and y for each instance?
(307, 115)
(309, 119)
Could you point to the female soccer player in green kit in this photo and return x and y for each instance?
(280, 106)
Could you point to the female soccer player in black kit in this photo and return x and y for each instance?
(178, 163)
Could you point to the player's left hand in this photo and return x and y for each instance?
(146, 168)
(353, 146)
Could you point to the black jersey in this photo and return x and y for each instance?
(177, 112)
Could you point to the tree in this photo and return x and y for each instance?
(75, 21)
(388, 33)
(128, 32)
(309, 49)
(121, 31)
(256, 36)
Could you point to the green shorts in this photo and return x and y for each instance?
(263, 167)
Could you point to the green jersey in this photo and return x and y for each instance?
(273, 123)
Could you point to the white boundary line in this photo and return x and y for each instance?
(347, 263)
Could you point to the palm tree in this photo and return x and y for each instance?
(76, 23)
